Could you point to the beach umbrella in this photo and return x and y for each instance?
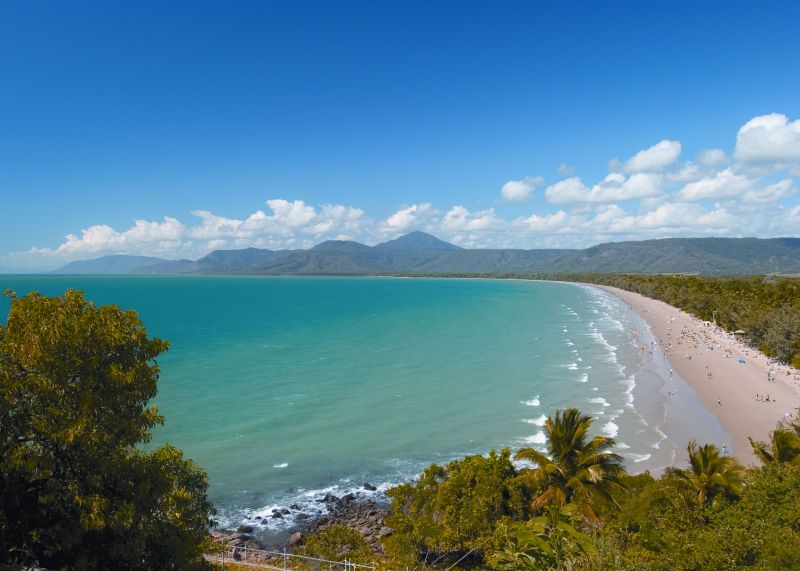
(742, 361)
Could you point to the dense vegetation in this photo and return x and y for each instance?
(766, 308)
(575, 508)
(77, 489)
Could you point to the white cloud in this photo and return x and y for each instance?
(566, 170)
(520, 190)
(549, 222)
(566, 191)
(676, 218)
(769, 138)
(723, 184)
(459, 219)
(712, 157)
(655, 158)
(614, 187)
(772, 193)
(406, 218)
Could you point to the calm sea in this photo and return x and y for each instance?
(286, 388)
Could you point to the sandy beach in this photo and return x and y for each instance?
(749, 398)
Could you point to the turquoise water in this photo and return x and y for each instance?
(284, 388)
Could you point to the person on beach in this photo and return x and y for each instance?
(719, 402)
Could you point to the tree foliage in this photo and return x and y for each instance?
(454, 508)
(575, 468)
(337, 543)
(545, 541)
(712, 514)
(710, 475)
(76, 489)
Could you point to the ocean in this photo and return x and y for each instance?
(286, 388)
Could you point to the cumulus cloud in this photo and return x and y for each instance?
(769, 138)
(712, 157)
(520, 190)
(613, 188)
(655, 158)
(566, 191)
(407, 218)
(723, 184)
(459, 219)
(549, 222)
(772, 193)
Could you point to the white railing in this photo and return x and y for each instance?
(282, 560)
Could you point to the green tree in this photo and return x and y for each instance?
(710, 474)
(337, 543)
(543, 542)
(453, 509)
(575, 469)
(76, 489)
(783, 446)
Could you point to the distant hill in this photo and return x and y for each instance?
(714, 256)
(420, 253)
(116, 264)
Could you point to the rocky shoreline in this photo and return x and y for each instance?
(367, 517)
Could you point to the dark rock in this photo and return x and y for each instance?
(284, 511)
(296, 538)
(345, 500)
(259, 517)
(245, 528)
(294, 507)
(277, 515)
(369, 487)
(302, 517)
(328, 499)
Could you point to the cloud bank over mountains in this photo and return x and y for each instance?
(654, 193)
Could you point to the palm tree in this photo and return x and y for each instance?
(783, 447)
(574, 469)
(711, 474)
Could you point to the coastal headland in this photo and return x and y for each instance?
(746, 390)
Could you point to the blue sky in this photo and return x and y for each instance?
(174, 128)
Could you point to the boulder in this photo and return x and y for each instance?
(385, 531)
(245, 529)
(284, 511)
(277, 515)
(296, 538)
(369, 487)
(294, 507)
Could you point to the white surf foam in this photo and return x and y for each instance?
(610, 429)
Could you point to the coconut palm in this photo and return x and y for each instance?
(711, 474)
(575, 469)
(783, 447)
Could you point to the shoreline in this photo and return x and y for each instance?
(707, 359)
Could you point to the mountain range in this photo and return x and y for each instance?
(420, 253)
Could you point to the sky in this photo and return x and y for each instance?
(172, 129)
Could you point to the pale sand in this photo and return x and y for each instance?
(717, 376)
